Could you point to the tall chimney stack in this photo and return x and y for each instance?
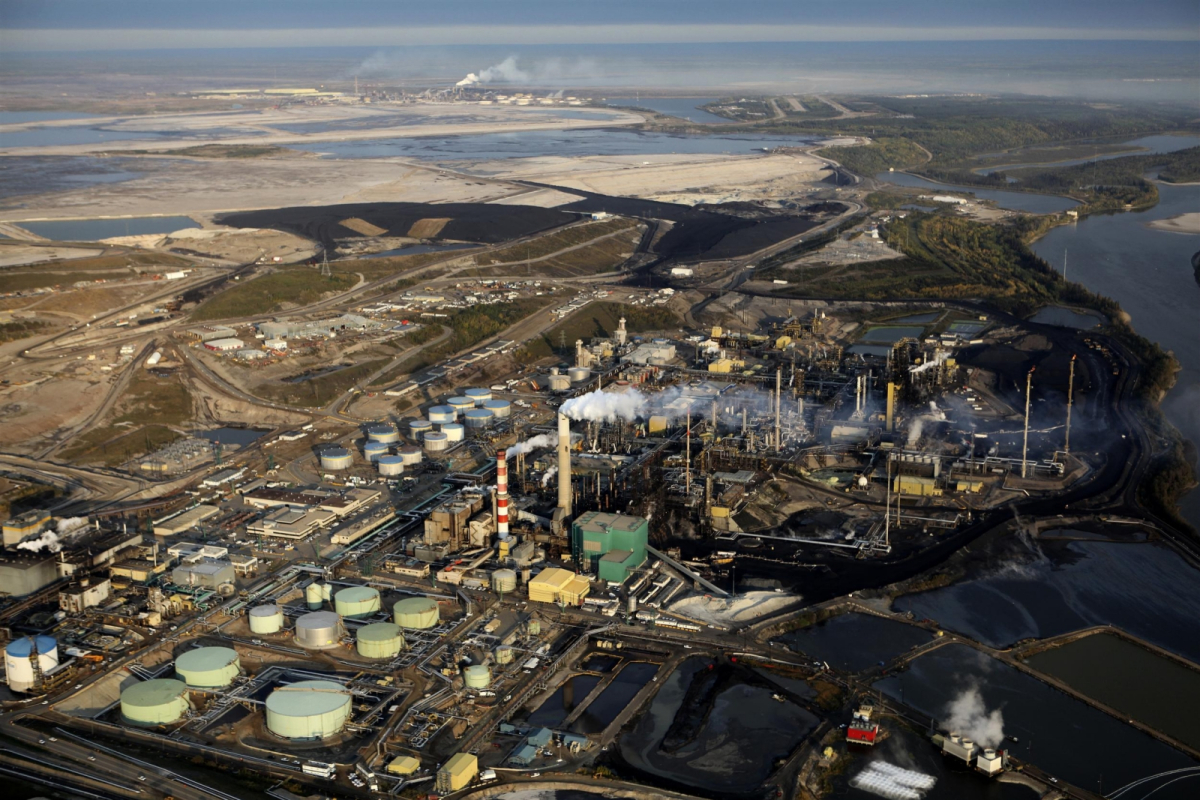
(564, 464)
(501, 495)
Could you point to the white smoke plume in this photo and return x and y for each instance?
(68, 524)
(939, 358)
(529, 445)
(48, 539)
(602, 406)
(918, 425)
(546, 72)
(550, 473)
(968, 715)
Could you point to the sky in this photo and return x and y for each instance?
(84, 25)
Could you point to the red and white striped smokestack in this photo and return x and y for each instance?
(501, 495)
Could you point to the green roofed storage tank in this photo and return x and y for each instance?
(356, 601)
(477, 676)
(308, 710)
(416, 613)
(208, 667)
(380, 640)
(156, 702)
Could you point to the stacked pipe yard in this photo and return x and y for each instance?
(380, 640)
(355, 602)
(308, 710)
(266, 619)
(319, 630)
(383, 432)
(18, 660)
(208, 667)
(158, 702)
(417, 613)
(502, 495)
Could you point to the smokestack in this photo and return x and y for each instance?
(501, 495)
(1025, 442)
(778, 389)
(1070, 398)
(891, 407)
(564, 464)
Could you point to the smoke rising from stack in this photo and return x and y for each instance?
(53, 540)
(529, 445)
(967, 714)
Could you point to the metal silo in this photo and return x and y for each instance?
(383, 432)
(477, 676)
(416, 613)
(319, 630)
(436, 442)
(380, 640)
(335, 458)
(157, 702)
(308, 710)
(477, 418)
(504, 581)
(460, 404)
(478, 396)
(266, 619)
(442, 414)
(373, 451)
(208, 667)
(501, 409)
(504, 654)
(454, 432)
(418, 428)
(410, 455)
(18, 663)
(356, 601)
(578, 374)
(390, 466)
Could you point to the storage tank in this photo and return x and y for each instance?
(436, 442)
(477, 676)
(383, 432)
(416, 613)
(477, 418)
(356, 602)
(460, 404)
(315, 595)
(504, 654)
(504, 580)
(380, 640)
(156, 702)
(558, 382)
(442, 414)
(418, 428)
(373, 451)
(390, 466)
(578, 374)
(308, 710)
(535, 627)
(319, 630)
(410, 455)
(501, 409)
(19, 666)
(478, 396)
(335, 458)
(454, 432)
(266, 619)
(208, 667)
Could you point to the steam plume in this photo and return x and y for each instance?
(969, 716)
(48, 539)
(550, 473)
(602, 406)
(529, 445)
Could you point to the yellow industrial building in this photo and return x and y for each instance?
(559, 586)
(403, 765)
(916, 485)
(457, 773)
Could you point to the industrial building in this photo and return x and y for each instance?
(206, 574)
(312, 329)
(31, 523)
(609, 545)
(22, 574)
(554, 585)
(185, 521)
(457, 773)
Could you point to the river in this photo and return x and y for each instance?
(1149, 273)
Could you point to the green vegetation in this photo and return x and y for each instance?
(472, 326)
(767, 267)
(555, 241)
(423, 335)
(373, 269)
(321, 391)
(598, 319)
(270, 293)
(21, 329)
(878, 156)
(149, 407)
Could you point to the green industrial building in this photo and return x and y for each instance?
(609, 545)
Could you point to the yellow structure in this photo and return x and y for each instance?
(891, 407)
(403, 765)
(968, 486)
(913, 484)
(716, 332)
(556, 585)
(722, 365)
(782, 342)
(658, 424)
(457, 773)
(720, 511)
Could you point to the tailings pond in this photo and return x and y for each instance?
(1066, 737)
(239, 437)
(1143, 588)
(854, 642)
(565, 699)
(92, 230)
(612, 701)
(727, 737)
(29, 175)
(1016, 201)
(683, 107)
(1148, 687)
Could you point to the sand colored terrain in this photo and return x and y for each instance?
(16, 254)
(35, 412)
(1184, 223)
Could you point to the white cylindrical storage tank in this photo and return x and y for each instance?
(356, 601)
(383, 432)
(308, 710)
(375, 450)
(380, 640)
(266, 619)
(501, 409)
(504, 654)
(436, 442)
(319, 630)
(156, 702)
(559, 383)
(208, 667)
(390, 466)
(410, 455)
(314, 596)
(477, 676)
(417, 613)
(418, 428)
(442, 414)
(454, 432)
(460, 404)
(578, 374)
(19, 666)
(478, 396)
(477, 418)
(504, 580)
(335, 458)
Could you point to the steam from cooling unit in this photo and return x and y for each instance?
(939, 358)
(543, 72)
(53, 540)
(550, 473)
(529, 445)
(967, 714)
(918, 425)
(602, 406)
